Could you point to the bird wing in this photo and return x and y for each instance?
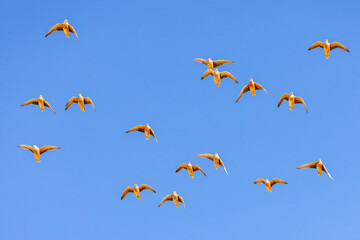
(26, 147)
(48, 105)
(200, 60)
(197, 168)
(182, 166)
(139, 128)
(244, 90)
(207, 73)
(181, 200)
(316, 45)
(145, 186)
(283, 97)
(153, 134)
(338, 45)
(126, 191)
(88, 101)
(325, 170)
(300, 100)
(206, 155)
(227, 75)
(71, 29)
(70, 102)
(32, 101)
(222, 164)
(260, 180)
(258, 86)
(166, 198)
(47, 148)
(276, 180)
(308, 165)
(56, 27)
(221, 62)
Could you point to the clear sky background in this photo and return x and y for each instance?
(134, 59)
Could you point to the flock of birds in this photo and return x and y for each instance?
(147, 130)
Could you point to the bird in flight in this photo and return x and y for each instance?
(65, 26)
(252, 87)
(173, 197)
(39, 101)
(327, 47)
(292, 100)
(319, 167)
(38, 151)
(136, 190)
(212, 64)
(81, 101)
(215, 158)
(191, 169)
(218, 76)
(145, 129)
(269, 184)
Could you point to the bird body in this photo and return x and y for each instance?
(38, 151)
(145, 129)
(136, 190)
(320, 167)
(268, 184)
(218, 76)
(190, 168)
(65, 26)
(292, 100)
(328, 47)
(252, 87)
(39, 101)
(212, 64)
(81, 101)
(173, 197)
(215, 158)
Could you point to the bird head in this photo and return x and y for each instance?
(174, 193)
(66, 21)
(79, 95)
(251, 80)
(216, 70)
(35, 146)
(326, 41)
(319, 160)
(291, 94)
(41, 96)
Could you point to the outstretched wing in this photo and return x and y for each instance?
(32, 101)
(259, 87)
(48, 105)
(308, 165)
(197, 168)
(88, 101)
(139, 128)
(71, 29)
(244, 90)
(126, 191)
(206, 155)
(222, 164)
(283, 97)
(227, 75)
(182, 166)
(153, 134)
(47, 148)
(221, 62)
(70, 102)
(166, 198)
(56, 27)
(181, 200)
(207, 73)
(338, 45)
(325, 170)
(300, 100)
(260, 180)
(316, 45)
(276, 180)
(26, 147)
(145, 186)
(200, 60)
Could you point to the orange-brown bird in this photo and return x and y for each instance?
(81, 101)
(269, 184)
(191, 169)
(39, 101)
(65, 26)
(215, 158)
(292, 100)
(218, 76)
(136, 190)
(319, 167)
(38, 151)
(173, 197)
(328, 47)
(212, 64)
(252, 87)
(145, 129)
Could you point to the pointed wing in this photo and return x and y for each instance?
(260, 180)
(32, 101)
(259, 87)
(325, 170)
(316, 45)
(200, 60)
(48, 105)
(71, 29)
(206, 155)
(47, 148)
(276, 180)
(126, 191)
(338, 45)
(227, 75)
(181, 200)
(207, 73)
(139, 128)
(70, 102)
(26, 147)
(153, 134)
(244, 90)
(145, 186)
(166, 198)
(197, 168)
(182, 166)
(221, 62)
(300, 100)
(56, 27)
(283, 97)
(88, 101)
(308, 165)
(222, 164)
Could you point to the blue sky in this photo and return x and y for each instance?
(135, 62)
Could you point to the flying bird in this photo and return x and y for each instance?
(269, 184)
(191, 169)
(81, 101)
(212, 64)
(292, 100)
(173, 197)
(65, 26)
(319, 167)
(39, 101)
(218, 76)
(38, 151)
(328, 47)
(145, 129)
(136, 190)
(252, 87)
(215, 158)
